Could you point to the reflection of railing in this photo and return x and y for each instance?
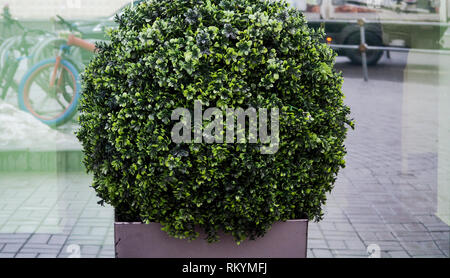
(393, 22)
(363, 47)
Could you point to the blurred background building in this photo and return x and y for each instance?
(71, 9)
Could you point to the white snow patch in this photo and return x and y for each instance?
(19, 130)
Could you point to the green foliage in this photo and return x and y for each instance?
(167, 53)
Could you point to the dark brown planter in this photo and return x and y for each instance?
(137, 240)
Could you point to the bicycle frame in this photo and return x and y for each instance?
(71, 41)
(8, 72)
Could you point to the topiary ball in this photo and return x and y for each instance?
(168, 54)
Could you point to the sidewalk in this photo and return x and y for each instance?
(387, 194)
(375, 200)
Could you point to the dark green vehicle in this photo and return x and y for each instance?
(398, 23)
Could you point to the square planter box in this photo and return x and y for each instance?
(137, 240)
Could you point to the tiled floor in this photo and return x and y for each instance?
(44, 213)
(387, 195)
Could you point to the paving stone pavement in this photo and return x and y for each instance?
(387, 194)
(43, 214)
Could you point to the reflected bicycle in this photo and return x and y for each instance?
(50, 90)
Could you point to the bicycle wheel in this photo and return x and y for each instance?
(52, 105)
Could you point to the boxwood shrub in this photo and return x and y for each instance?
(166, 54)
